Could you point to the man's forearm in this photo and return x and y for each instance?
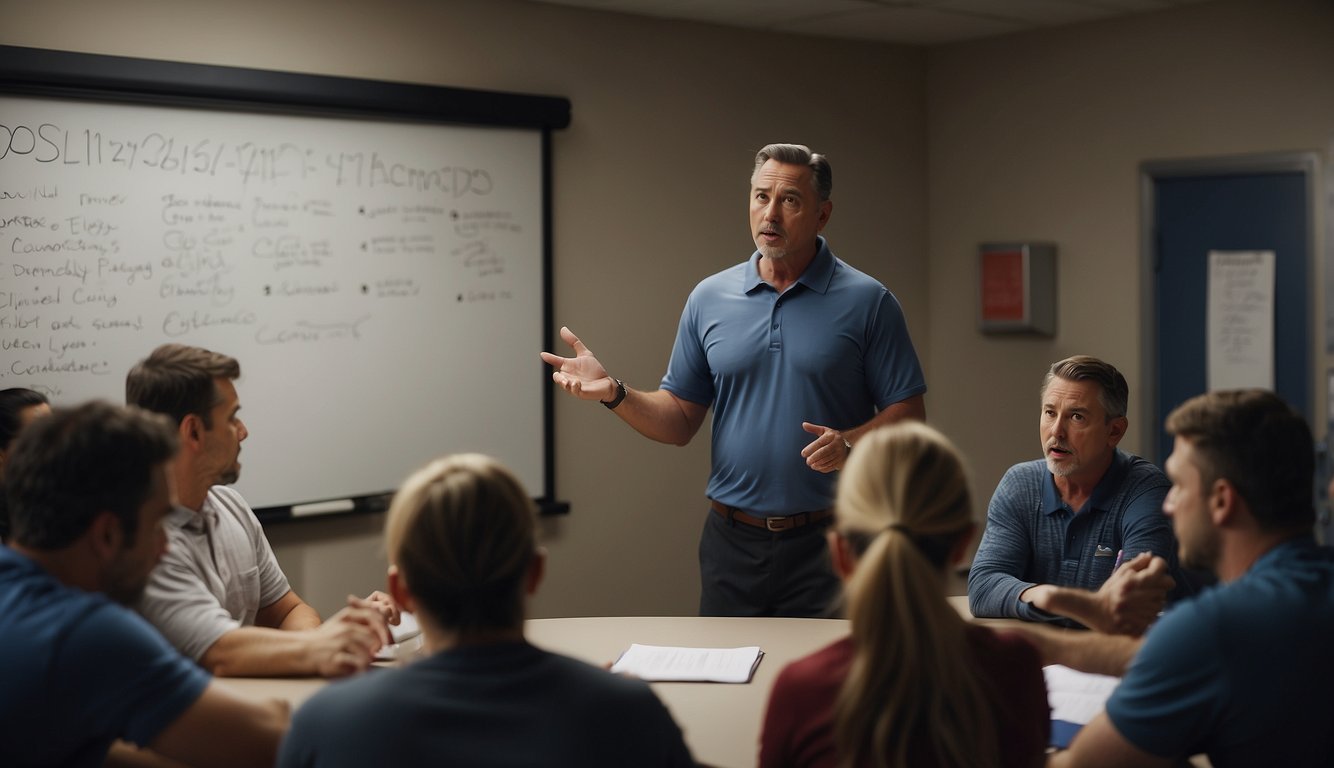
(1085, 651)
(661, 416)
(992, 593)
(260, 652)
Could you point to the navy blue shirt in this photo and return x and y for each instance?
(78, 671)
(1244, 672)
(507, 704)
(1033, 537)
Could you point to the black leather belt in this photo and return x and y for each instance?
(775, 524)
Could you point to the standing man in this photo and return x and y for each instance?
(1241, 672)
(1058, 528)
(219, 595)
(799, 354)
(89, 488)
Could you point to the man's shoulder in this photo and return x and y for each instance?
(1140, 472)
(355, 698)
(34, 602)
(225, 499)
(1032, 473)
(731, 279)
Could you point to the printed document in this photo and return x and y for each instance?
(657, 663)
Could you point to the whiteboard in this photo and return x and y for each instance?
(381, 282)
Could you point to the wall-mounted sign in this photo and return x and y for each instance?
(1017, 288)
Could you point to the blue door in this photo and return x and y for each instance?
(1194, 213)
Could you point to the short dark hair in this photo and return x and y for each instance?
(13, 402)
(1259, 444)
(462, 532)
(1113, 391)
(178, 380)
(67, 468)
(800, 154)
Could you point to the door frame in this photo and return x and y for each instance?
(1150, 171)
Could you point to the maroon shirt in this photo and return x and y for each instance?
(799, 722)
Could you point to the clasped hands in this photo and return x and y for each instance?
(347, 642)
(1134, 595)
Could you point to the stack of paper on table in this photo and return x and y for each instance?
(1075, 699)
(657, 663)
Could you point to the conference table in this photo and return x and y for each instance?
(721, 722)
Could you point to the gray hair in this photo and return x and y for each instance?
(800, 154)
(1113, 391)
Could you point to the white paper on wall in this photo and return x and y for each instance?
(1240, 320)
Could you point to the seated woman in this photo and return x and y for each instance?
(915, 685)
(463, 557)
(18, 407)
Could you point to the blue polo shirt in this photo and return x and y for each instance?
(1244, 671)
(832, 350)
(1033, 537)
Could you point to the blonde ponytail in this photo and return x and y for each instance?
(912, 694)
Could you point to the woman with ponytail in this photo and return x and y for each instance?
(915, 685)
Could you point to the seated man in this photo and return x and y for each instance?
(1243, 671)
(18, 407)
(461, 536)
(1057, 529)
(88, 489)
(219, 595)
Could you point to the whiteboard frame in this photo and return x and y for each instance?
(96, 77)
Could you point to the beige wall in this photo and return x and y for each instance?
(1036, 136)
(650, 196)
(1040, 136)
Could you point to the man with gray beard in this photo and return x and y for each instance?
(1070, 538)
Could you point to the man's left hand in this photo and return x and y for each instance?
(828, 451)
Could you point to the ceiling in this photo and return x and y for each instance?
(909, 22)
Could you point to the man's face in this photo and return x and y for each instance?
(785, 210)
(126, 575)
(222, 441)
(1187, 504)
(1077, 438)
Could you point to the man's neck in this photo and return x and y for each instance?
(437, 640)
(190, 489)
(1076, 489)
(69, 566)
(1241, 550)
(782, 273)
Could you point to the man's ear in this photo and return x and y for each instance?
(537, 568)
(1118, 430)
(826, 210)
(105, 535)
(191, 430)
(1224, 503)
(398, 589)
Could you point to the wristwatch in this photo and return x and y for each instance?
(620, 395)
(847, 443)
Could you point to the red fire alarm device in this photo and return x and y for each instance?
(1017, 288)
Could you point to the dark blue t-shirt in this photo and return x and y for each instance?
(507, 704)
(1244, 672)
(78, 671)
